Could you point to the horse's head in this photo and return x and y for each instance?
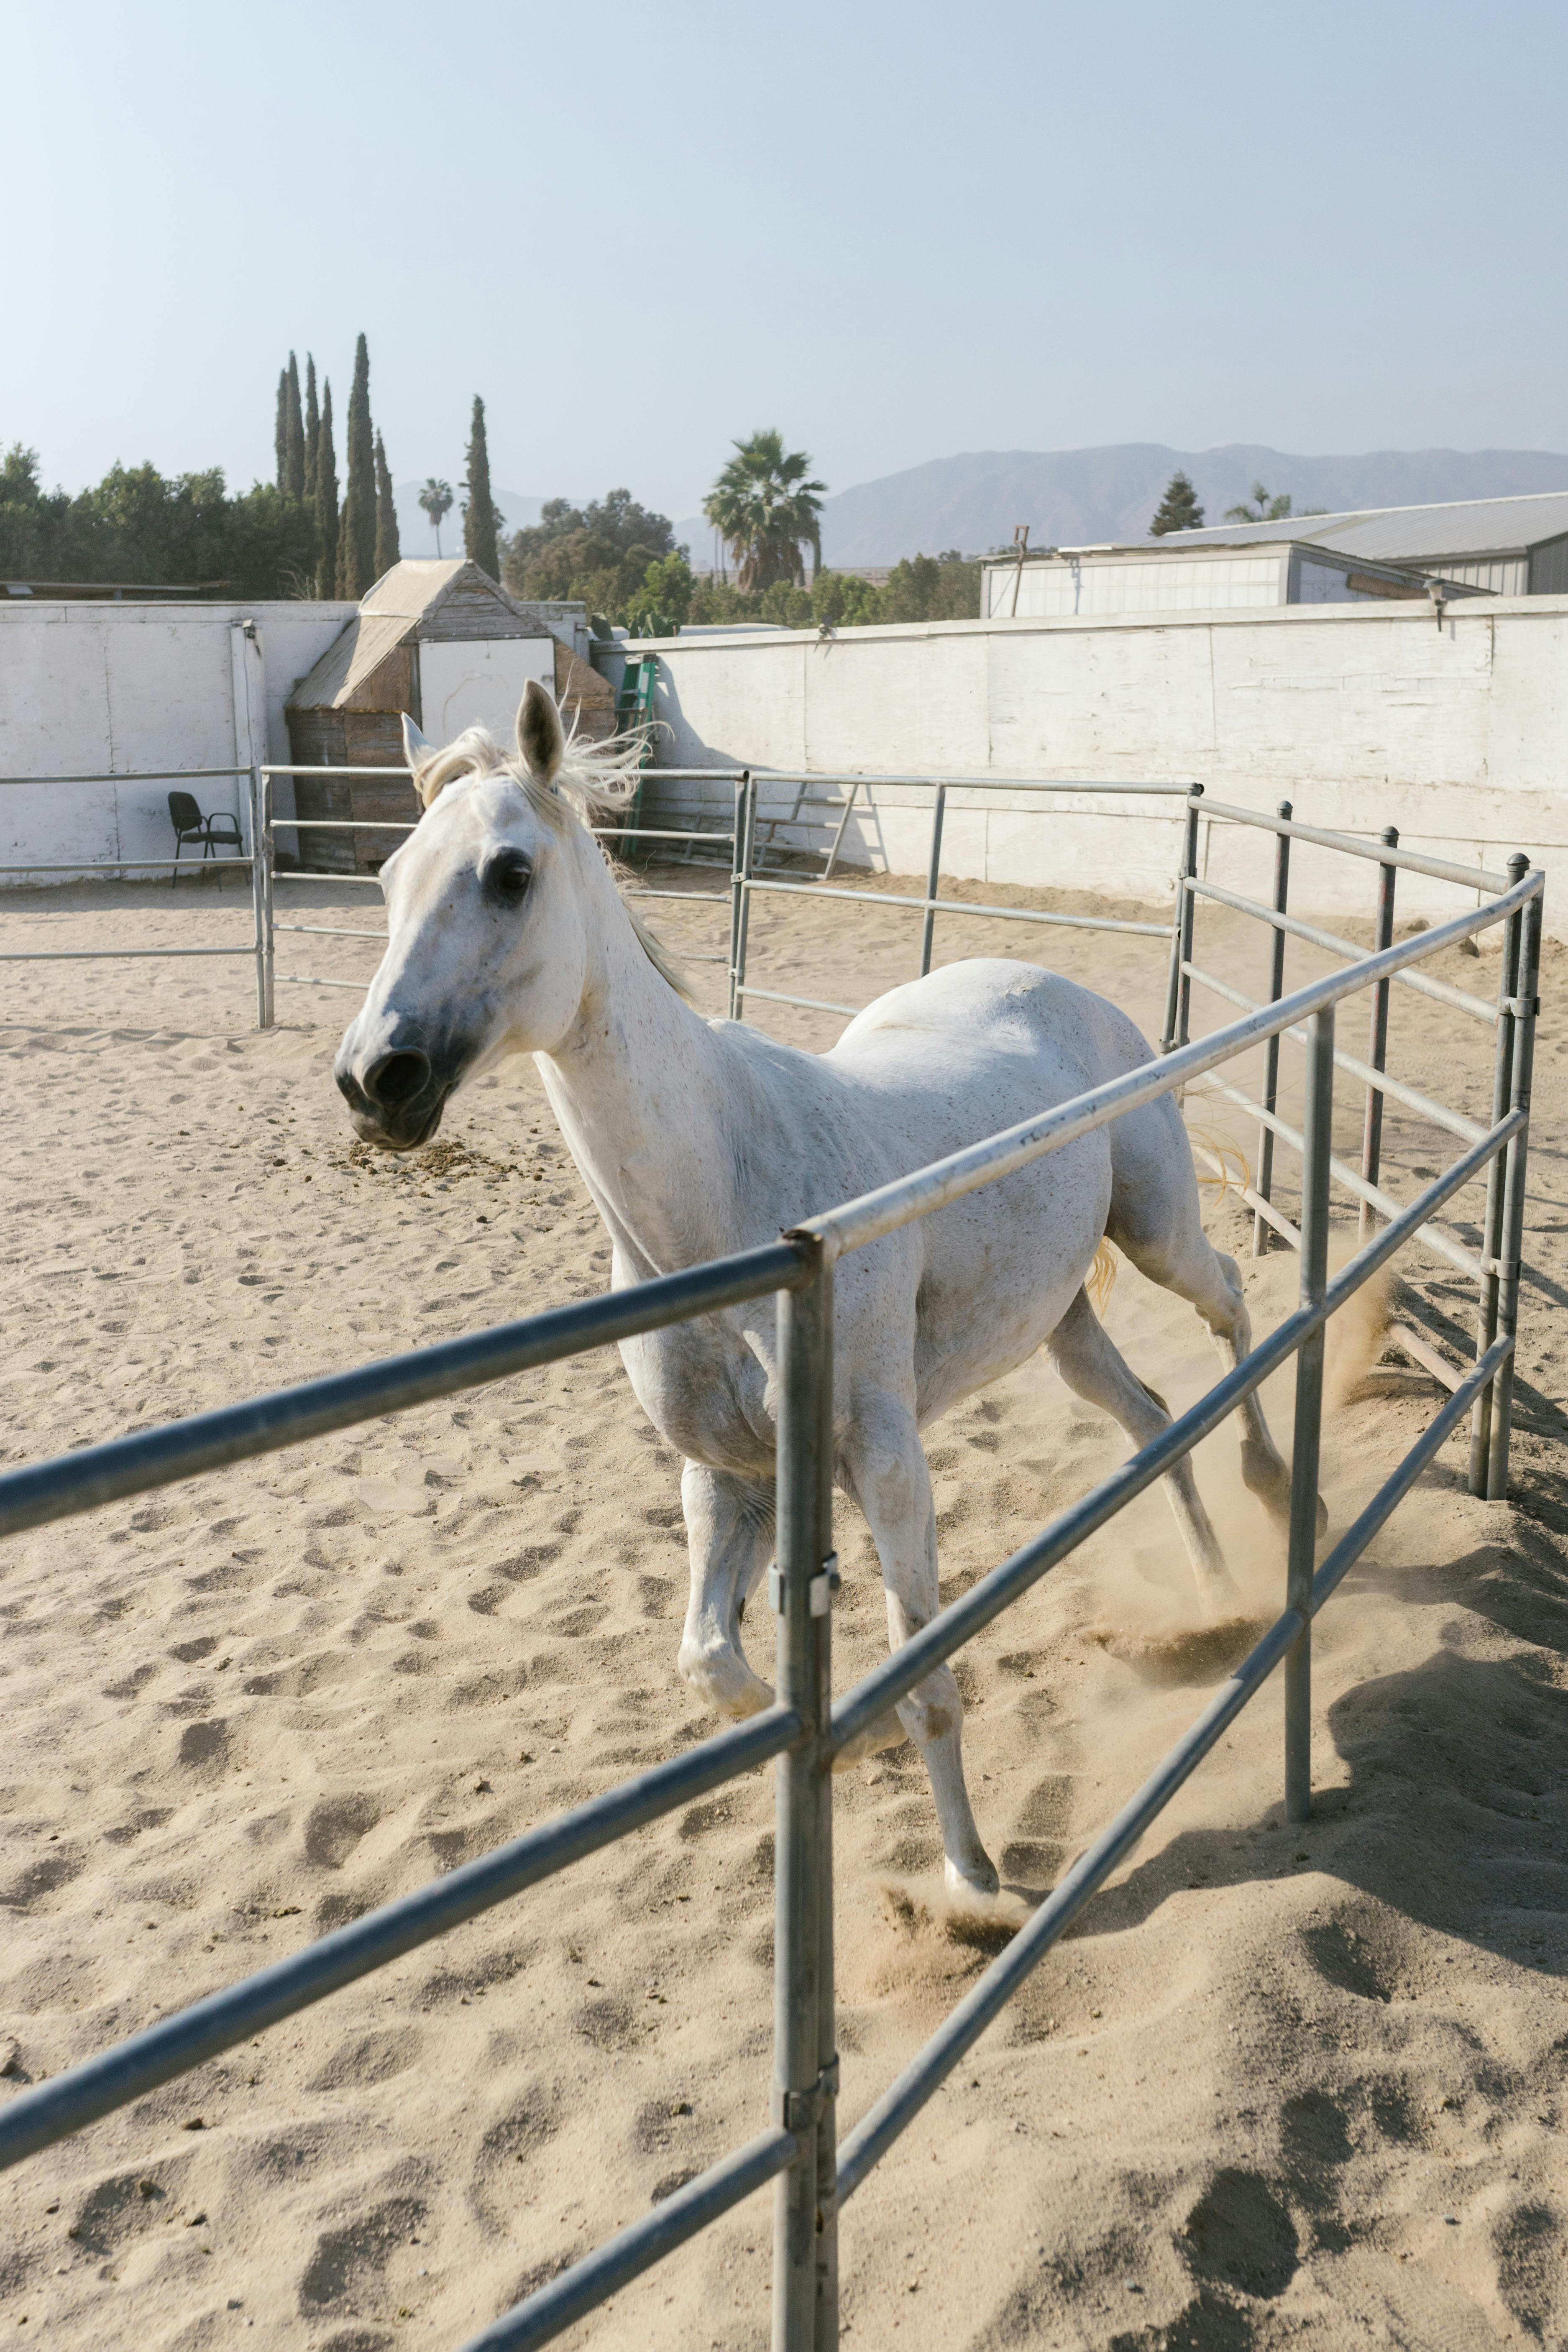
(486, 942)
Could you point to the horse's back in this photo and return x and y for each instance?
(987, 1026)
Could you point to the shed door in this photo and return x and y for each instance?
(480, 683)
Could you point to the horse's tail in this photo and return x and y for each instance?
(1101, 1279)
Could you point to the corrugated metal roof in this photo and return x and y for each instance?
(1464, 527)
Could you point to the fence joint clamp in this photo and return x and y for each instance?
(1503, 1269)
(797, 2111)
(1520, 1008)
(820, 1591)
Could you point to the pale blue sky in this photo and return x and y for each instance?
(895, 231)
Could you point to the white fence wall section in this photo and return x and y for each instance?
(1362, 715)
(98, 686)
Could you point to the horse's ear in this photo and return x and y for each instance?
(418, 751)
(539, 736)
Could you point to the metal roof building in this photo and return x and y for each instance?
(1506, 547)
(1194, 572)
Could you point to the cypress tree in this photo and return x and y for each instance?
(280, 430)
(387, 551)
(1178, 510)
(326, 501)
(294, 437)
(312, 432)
(479, 516)
(357, 538)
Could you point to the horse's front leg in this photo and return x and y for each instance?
(886, 1467)
(729, 1532)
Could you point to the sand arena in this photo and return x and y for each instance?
(1282, 2086)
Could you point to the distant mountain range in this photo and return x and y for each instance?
(1074, 497)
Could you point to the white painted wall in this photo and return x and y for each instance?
(1363, 715)
(132, 689)
(480, 683)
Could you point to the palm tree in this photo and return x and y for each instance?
(1265, 508)
(436, 499)
(767, 511)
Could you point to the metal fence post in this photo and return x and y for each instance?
(933, 869)
(1491, 1229)
(261, 896)
(742, 788)
(1515, 1159)
(1261, 1236)
(1179, 987)
(1377, 1040)
(1317, 1144)
(742, 914)
(805, 2251)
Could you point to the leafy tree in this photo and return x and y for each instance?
(312, 432)
(667, 586)
(137, 525)
(481, 521)
(280, 430)
(603, 555)
(787, 606)
(716, 602)
(931, 588)
(436, 499)
(767, 511)
(356, 535)
(1265, 508)
(842, 600)
(387, 550)
(326, 500)
(1179, 509)
(293, 482)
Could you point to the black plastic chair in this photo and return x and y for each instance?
(214, 832)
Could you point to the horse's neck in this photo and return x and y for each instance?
(641, 1088)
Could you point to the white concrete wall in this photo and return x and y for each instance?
(136, 688)
(1363, 715)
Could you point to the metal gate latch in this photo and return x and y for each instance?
(820, 1591)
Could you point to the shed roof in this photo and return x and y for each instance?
(401, 602)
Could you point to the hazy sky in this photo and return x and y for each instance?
(895, 231)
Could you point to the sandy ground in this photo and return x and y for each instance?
(1282, 2086)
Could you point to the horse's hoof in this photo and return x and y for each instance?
(722, 1678)
(975, 1887)
(885, 1733)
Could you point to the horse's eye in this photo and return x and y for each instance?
(507, 878)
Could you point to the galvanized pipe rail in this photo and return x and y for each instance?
(748, 882)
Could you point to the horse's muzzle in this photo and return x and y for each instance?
(396, 1097)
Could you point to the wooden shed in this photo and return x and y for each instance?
(442, 641)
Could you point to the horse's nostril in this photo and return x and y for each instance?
(396, 1077)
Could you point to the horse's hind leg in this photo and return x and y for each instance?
(1211, 1282)
(1154, 1221)
(1095, 1369)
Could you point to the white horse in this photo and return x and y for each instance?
(697, 1138)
